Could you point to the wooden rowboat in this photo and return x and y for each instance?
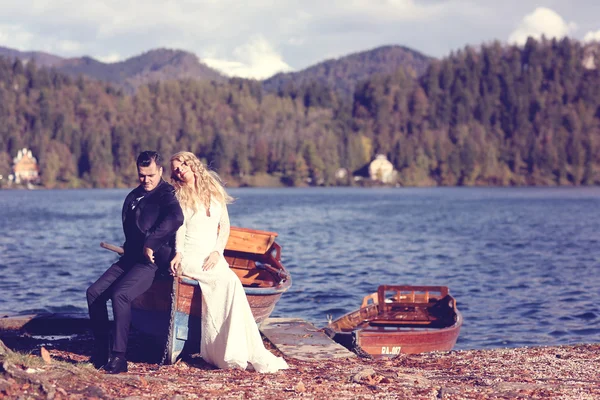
(400, 319)
(171, 309)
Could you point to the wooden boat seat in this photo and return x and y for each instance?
(254, 278)
(399, 314)
(414, 315)
(239, 262)
(402, 306)
(250, 240)
(414, 294)
(251, 274)
(268, 262)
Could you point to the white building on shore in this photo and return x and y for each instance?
(25, 167)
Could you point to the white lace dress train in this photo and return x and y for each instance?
(229, 334)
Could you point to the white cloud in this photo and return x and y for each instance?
(110, 58)
(592, 36)
(126, 28)
(389, 9)
(542, 21)
(292, 32)
(254, 59)
(296, 41)
(295, 33)
(171, 16)
(68, 46)
(15, 36)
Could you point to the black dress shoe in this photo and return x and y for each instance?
(116, 365)
(99, 356)
(99, 359)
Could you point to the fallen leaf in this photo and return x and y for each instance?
(374, 379)
(300, 388)
(365, 373)
(46, 355)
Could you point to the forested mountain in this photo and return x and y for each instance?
(163, 64)
(494, 116)
(344, 73)
(499, 115)
(39, 57)
(149, 67)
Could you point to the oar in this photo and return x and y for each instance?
(119, 250)
(112, 247)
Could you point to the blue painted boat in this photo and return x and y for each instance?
(171, 309)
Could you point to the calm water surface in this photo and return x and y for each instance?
(523, 263)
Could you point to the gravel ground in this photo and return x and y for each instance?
(57, 369)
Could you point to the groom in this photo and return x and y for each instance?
(151, 216)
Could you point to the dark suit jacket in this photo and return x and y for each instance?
(152, 223)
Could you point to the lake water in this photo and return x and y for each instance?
(523, 263)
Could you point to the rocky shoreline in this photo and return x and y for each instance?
(55, 367)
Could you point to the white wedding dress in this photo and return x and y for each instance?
(229, 334)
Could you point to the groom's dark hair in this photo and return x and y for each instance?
(146, 158)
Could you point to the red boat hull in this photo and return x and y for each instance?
(415, 319)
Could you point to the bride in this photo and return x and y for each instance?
(229, 335)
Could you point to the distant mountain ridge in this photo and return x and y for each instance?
(154, 65)
(41, 58)
(345, 72)
(341, 74)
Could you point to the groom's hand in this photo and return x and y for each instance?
(149, 254)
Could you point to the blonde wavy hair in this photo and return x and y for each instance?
(207, 184)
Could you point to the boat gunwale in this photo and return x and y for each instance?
(424, 330)
(281, 287)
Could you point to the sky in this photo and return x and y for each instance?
(258, 38)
